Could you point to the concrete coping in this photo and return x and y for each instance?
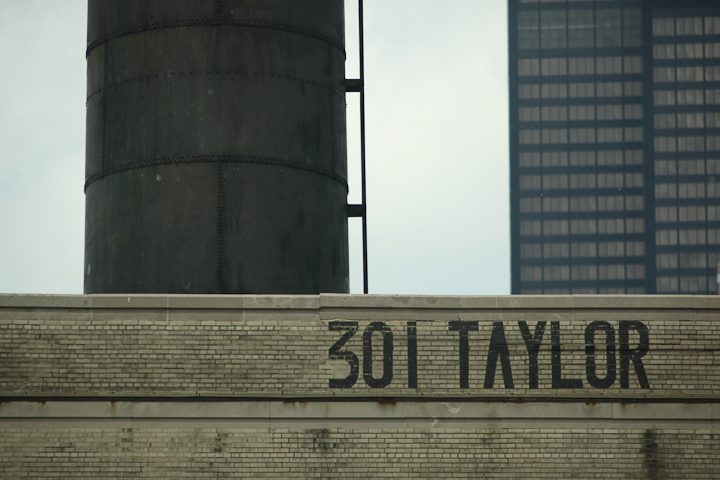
(379, 410)
(343, 301)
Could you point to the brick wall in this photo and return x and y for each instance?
(359, 453)
(339, 386)
(349, 346)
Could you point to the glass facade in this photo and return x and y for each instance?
(615, 145)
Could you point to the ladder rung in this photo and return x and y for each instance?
(356, 210)
(353, 85)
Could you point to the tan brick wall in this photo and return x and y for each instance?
(88, 387)
(359, 453)
(280, 346)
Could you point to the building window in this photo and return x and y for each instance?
(690, 26)
(582, 159)
(634, 202)
(530, 159)
(555, 227)
(582, 180)
(666, 261)
(693, 260)
(554, 159)
(609, 89)
(554, 135)
(610, 157)
(529, 91)
(584, 249)
(554, 66)
(529, 114)
(556, 250)
(691, 144)
(609, 65)
(610, 180)
(666, 237)
(555, 182)
(693, 284)
(635, 272)
(635, 249)
(692, 237)
(557, 273)
(611, 249)
(581, 28)
(609, 112)
(632, 65)
(553, 29)
(530, 205)
(634, 225)
(633, 112)
(584, 90)
(528, 30)
(665, 144)
(665, 190)
(582, 112)
(555, 204)
(712, 26)
(609, 135)
(691, 190)
(531, 250)
(690, 97)
(611, 203)
(583, 204)
(609, 27)
(666, 214)
(583, 227)
(529, 137)
(582, 66)
(690, 50)
(663, 27)
(554, 90)
(633, 89)
(632, 27)
(665, 167)
(611, 272)
(529, 67)
(531, 274)
(529, 182)
(665, 120)
(610, 226)
(530, 228)
(554, 114)
(667, 284)
(584, 272)
(582, 135)
(664, 52)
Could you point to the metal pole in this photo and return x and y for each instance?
(362, 148)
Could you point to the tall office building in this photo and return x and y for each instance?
(615, 146)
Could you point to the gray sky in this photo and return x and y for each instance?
(437, 146)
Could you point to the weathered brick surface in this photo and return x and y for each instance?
(359, 453)
(243, 347)
(142, 345)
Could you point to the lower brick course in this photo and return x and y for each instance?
(341, 386)
(359, 453)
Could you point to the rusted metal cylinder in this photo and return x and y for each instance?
(216, 147)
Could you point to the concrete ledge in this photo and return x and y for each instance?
(45, 301)
(354, 410)
(388, 301)
(342, 301)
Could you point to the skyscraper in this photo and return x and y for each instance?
(614, 146)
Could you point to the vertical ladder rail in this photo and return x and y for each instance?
(359, 86)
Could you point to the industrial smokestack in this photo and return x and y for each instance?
(216, 147)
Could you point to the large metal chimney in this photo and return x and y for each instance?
(216, 147)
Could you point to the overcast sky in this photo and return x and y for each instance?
(437, 146)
